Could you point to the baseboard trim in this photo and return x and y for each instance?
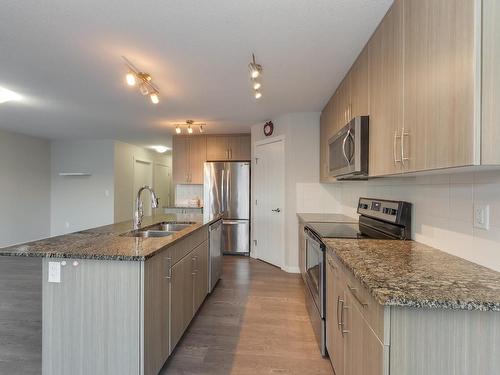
(291, 269)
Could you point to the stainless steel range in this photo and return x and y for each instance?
(379, 219)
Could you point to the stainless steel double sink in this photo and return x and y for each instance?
(160, 230)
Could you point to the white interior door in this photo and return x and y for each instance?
(269, 185)
(143, 175)
(162, 177)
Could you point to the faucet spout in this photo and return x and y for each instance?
(139, 211)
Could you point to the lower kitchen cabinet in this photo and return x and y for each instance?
(366, 338)
(122, 317)
(201, 255)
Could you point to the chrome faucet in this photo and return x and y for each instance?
(139, 211)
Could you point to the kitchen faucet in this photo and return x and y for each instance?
(139, 212)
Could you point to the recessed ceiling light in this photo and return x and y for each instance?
(8, 95)
(160, 149)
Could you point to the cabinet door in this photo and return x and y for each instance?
(364, 353)
(490, 130)
(197, 158)
(180, 160)
(360, 86)
(239, 147)
(343, 104)
(201, 277)
(156, 312)
(181, 302)
(327, 127)
(386, 93)
(336, 312)
(217, 148)
(439, 83)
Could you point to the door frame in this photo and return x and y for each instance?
(254, 252)
(143, 161)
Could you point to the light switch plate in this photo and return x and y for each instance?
(54, 272)
(482, 216)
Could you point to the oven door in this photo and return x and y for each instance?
(315, 270)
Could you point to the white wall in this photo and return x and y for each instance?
(79, 203)
(24, 188)
(124, 195)
(303, 192)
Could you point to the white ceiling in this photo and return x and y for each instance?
(64, 57)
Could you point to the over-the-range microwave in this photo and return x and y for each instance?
(348, 150)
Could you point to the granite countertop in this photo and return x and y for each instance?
(408, 273)
(185, 207)
(108, 242)
(325, 218)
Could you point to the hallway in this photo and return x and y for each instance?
(255, 322)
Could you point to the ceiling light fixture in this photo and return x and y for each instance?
(255, 72)
(146, 86)
(160, 149)
(190, 125)
(8, 95)
(255, 69)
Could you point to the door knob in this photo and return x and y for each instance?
(276, 210)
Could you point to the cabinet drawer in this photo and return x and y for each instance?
(371, 310)
(183, 247)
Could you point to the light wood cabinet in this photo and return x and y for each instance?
(360, 85)
(328, 123)
(228, 147)
(335, 301)
(188, 156)
(200, 275)
(182, 281)
(156, 312)
(386, 93)
(440, 77)
(490, 128)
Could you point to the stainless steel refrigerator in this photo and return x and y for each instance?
(227, 191)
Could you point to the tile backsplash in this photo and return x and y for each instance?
(184, 193)
(442, 209)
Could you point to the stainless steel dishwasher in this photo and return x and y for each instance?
(215, 269)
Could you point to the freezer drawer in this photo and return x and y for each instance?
(235, 236)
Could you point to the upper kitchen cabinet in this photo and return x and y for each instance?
(360, 85)
(328, 124)
(386, 93)
(441, 80)
(228, 147)
(491, 83)
(188, 155)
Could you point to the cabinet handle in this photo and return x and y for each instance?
(231, 157)
(403, 135)
(338, 304)
(342, 323)
(193, 271)
(394, 146)
(168, 266)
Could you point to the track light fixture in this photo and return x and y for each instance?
(255, 73)
(189, 124)
(146, 86)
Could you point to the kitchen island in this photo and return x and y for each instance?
(114, 302)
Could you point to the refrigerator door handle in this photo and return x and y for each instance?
(228, 190)
(222, 203)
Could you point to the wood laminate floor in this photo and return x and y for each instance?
(255, 322)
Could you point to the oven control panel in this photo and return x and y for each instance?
(397, 212)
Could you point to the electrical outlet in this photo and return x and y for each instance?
(54, 272)
(482, 216)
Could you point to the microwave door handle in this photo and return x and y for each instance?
(343, 147)
(351, 139)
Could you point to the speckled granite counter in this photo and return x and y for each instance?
(325, 218)
(107, 242)
(408, 273)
